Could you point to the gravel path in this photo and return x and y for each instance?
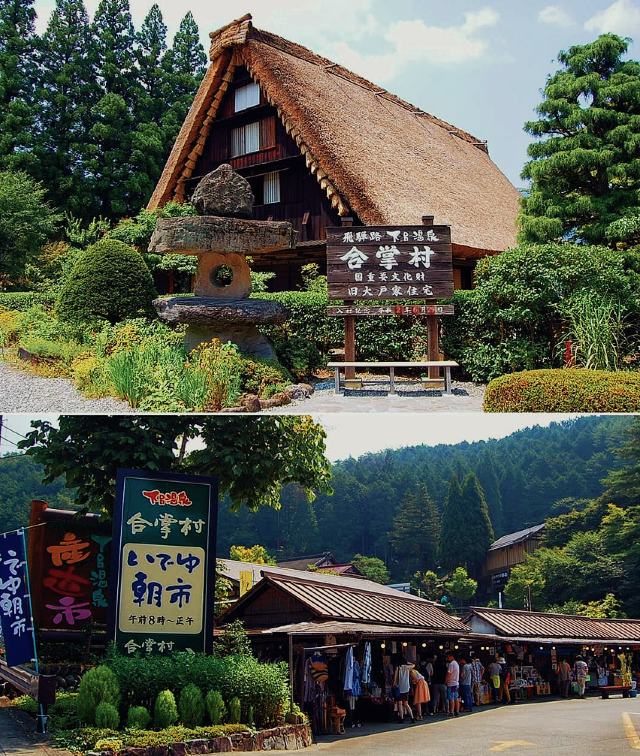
(21, 391)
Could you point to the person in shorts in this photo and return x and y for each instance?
(453, 682)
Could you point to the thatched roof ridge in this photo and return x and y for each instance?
(372, 153)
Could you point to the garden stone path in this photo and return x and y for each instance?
(21, 391)
(18, 736)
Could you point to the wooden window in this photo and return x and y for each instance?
(245, 139)
(247, 97)
(267, 133)
(272, 188)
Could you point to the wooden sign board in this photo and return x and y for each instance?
(389, 262)
(347, 310)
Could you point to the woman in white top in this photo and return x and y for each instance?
(402, 682)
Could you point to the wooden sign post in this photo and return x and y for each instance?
(367, 264)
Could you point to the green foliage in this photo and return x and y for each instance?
(235, 710)
(259, 281)
(300, 356)
(256, 554)
(372, 568)
(215, 707)
(428, 584)
(24, 300)
(28, 704)
(415, 531)
(191, 705)
(512, 320)
(98, 685)
(109, 281)
(234, 640)
(138, 717)
(26, 222)
(107, 716)
(165, 711)
(258, 374)
(461, 586)
(578, 390)
(312, 280)
(583, 167)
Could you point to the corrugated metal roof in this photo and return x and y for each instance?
(517, 537)
(346, 628)
(364, 602)
(518, 624)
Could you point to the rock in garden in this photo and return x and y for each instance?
(297, 391)
(225, 193)
(252, 403)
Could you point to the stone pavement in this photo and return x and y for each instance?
(465, 398)
(18, 736)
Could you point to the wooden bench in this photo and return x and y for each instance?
(338, 366)
(606, 690)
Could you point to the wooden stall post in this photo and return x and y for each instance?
(433, 346)
(349, 329)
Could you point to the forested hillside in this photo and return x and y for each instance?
(390, 504)
(522, 477)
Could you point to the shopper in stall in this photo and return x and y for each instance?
(494, 674)
(582, 670)
(505, 679)
(439, 685)
(402, 686)
(420, 690)
(453, 685)
(465, 684)
(477, 671)
(564, 678)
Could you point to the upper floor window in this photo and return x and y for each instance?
(247, 97)
(245, 139)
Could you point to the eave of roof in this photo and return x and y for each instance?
(428, 168)
(512, 538)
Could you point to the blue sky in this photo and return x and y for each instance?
(477, 65)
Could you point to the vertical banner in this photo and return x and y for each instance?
(15, 613)
(163, 562)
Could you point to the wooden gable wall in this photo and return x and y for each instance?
(272, 608)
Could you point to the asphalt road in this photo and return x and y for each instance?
(592, 727)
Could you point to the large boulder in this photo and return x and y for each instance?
(225, 193)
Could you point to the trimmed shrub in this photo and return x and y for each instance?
(235, 710)
(109, 281)
(97, 685)
(107, 716)
(23, 300)
(191, 705)
(574, 390)
(138, 718)
(258, 373)
(165, 711)
(216, 709)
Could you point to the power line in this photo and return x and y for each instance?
(4, 427)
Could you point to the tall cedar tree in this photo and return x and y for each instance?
(466, 531)
(416, 528)
(65, 95)
(585, 170)
(623, 486)
(151, 44)
(488, 479)
(183, 67)
(17, 77)
(114, 44)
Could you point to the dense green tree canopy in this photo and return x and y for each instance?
(584, 167)
(252, 457)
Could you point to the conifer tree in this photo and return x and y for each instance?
(488, 479)
(184, 66)
(17, 78)
(585, 167)
(66, 93)
(416, 528)
(151, 44)
(114, 46)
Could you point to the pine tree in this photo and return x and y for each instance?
(184, 66)
(151, 44)
(585, 170)
(466, 528)
(17, 78)
(66, 93)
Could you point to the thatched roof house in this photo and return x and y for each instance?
(340, 146)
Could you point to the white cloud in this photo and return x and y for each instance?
(555, 16)
(621, 17)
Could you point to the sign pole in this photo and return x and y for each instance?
(349, 329)
(433, 346)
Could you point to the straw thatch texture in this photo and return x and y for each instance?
(372, 153)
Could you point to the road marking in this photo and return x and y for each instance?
(504, 745)
(630, 730)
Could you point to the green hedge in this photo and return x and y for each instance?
(573, 390)
(23, 300)
(377, 337)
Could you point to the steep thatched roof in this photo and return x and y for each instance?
(372, 153)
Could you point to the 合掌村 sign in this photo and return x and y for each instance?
(389, 262)
(163, 562)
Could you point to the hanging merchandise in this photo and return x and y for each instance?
(348, 671)
(366, 664)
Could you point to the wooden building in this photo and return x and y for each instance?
(506, 553)
(318, 143)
